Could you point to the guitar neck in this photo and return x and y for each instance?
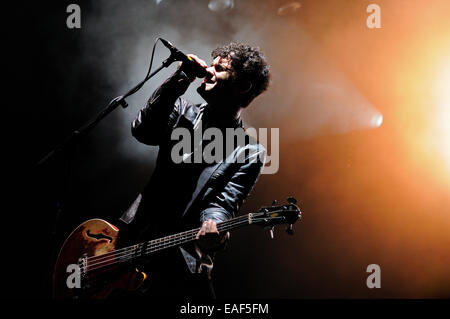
(146, 248)
(190, 235)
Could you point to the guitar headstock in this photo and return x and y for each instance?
(274, 215)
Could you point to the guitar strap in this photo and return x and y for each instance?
(129, 214)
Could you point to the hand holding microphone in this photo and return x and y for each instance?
(190, 64)
(191, 69)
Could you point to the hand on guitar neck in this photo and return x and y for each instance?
(208, 237)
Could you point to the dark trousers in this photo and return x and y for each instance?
(170, 277)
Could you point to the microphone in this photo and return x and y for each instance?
(177, 55)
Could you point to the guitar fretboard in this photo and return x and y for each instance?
(131, 253)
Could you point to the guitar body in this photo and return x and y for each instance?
(94, 237)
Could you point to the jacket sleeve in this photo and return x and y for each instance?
(228, 201)
(152, 122)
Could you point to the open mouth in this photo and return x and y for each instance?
(207, 84)
(206, 80)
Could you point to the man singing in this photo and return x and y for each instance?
(186, 194)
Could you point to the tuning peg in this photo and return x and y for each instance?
(274, 202)
(291, 200)
(271, 232)
(289, 230)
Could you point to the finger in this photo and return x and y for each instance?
(208, 226)
(204, 228)
(212, 227)
(202, 231)
(198, 60)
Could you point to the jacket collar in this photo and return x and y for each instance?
(199, 112)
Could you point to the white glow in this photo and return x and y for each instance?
(377, 120)
(220, 5)
(440, 132)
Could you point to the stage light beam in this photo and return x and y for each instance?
(441, 127)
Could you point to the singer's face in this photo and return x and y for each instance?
(215, 88)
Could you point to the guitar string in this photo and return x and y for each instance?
(94, 276)
(183, 233)
(132, 251)
(119, 252)
(151, 248)
(159, 245)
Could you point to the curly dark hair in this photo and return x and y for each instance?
(248, 63)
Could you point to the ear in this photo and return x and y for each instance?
(245, 86)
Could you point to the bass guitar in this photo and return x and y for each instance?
(90, 266)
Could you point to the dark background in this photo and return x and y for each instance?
(369, 195)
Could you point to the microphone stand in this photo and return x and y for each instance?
(120, 100)
(72, 139)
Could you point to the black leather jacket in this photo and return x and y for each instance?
(221, 187)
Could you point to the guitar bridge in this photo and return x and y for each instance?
(82, 264)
